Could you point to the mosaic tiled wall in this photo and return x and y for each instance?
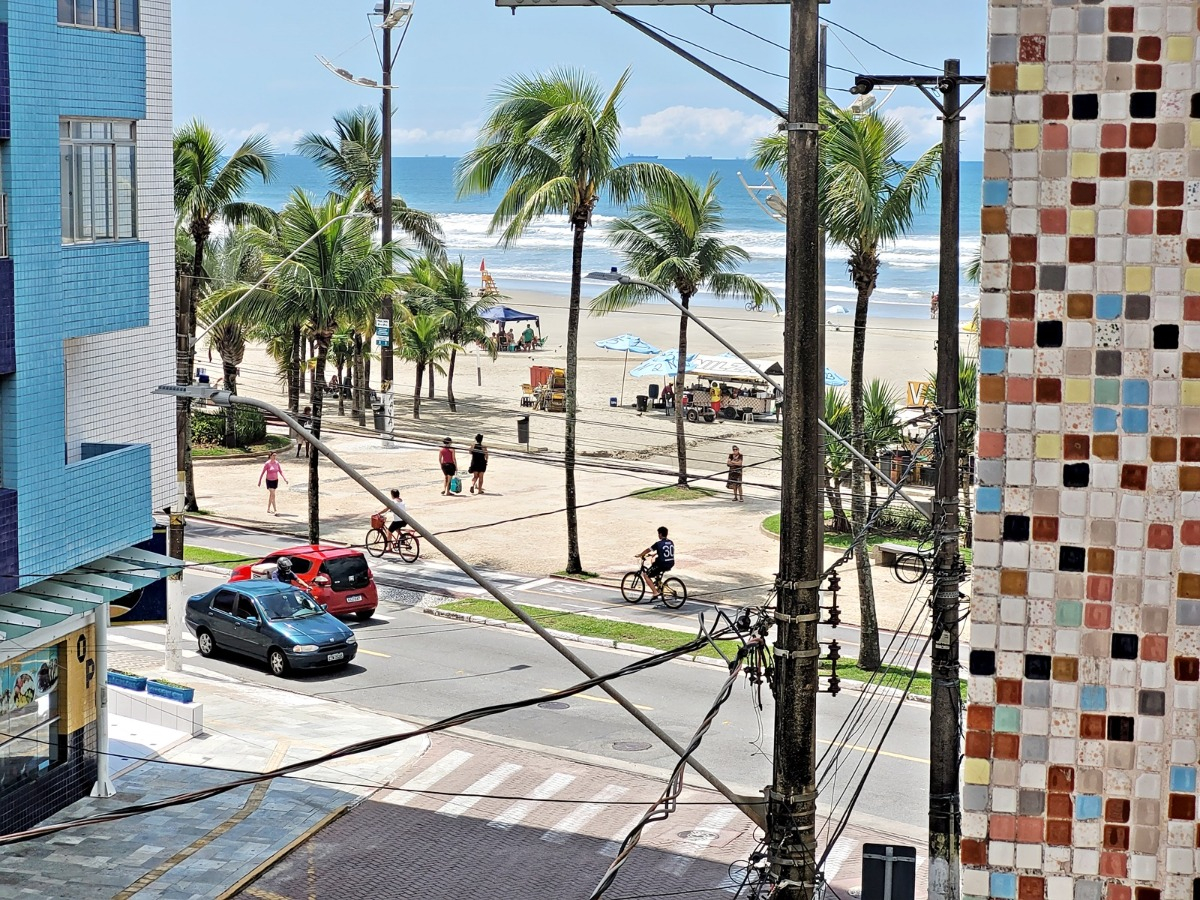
(1084, 722)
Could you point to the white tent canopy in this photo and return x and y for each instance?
(730, 368)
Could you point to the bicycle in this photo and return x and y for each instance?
(405, 542)
(672, 590)
(913, 567)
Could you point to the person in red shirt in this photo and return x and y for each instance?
(449, 463)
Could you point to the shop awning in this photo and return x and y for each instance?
(50, 602)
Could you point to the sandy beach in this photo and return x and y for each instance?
(518, 525)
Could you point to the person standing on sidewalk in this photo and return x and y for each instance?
(734, 482)
(305, 419)
(449, 463)
(272, 471)
(479, 463)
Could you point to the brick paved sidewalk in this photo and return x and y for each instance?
(205, 849)
(476, 820)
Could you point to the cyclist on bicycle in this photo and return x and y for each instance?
(664, 559)
(396, 521)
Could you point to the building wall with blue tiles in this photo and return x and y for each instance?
(92, 321)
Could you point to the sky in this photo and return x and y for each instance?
(246, 66)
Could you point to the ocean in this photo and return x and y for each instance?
(541, 259)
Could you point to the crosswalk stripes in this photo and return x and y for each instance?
(707, 831)
(837, 857)
(613, 847)
(436, 577)
(581, 815)
(516, 813)
(428, 778)
(488, 782)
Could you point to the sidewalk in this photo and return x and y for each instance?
(210, 848)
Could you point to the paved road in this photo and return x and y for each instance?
(435, 576)
(421, 667)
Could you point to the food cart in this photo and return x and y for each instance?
(744, 393)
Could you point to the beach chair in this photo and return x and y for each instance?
(527, 395)
(541, 342)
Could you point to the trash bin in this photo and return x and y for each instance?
(523, 430)
(643, 403)
(652, 390)
(380, 418)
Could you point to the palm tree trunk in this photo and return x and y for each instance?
(431, 369)
(355, 373)
(574, 561)
(417, 391)
(680, 437)
(450, 380)
(362, 374)
(183, 411)
(293, 371)
(341, 393)
(314, 478)
(230, 375)
(833, 496)
(869, 658)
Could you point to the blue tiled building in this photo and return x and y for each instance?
(86, 313)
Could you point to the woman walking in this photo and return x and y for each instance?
(449, 463)
(478, 466)
(734, 482)
(272, 471)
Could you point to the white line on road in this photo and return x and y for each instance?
(837, 858)
(574, 822)
(144, 645)
(428, 778)
(613, 846)
(488, 782)
(707, 831)
(544, 791)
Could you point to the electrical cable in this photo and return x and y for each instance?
(709, 50)
(712, 12)
(871, 43)
(363, 746)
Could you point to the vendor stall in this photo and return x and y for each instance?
(744, 394)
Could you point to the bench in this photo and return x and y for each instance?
(886, 554)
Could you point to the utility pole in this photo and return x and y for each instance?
(945, 715)
(388, 309)
(792, 798)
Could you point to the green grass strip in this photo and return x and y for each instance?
(675, 492)
(665, 639)
(273, 442)
(208, 557)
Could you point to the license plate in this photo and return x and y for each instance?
(332, 657)
(354, 598)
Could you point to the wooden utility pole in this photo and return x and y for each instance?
(387, 310)
(791, 816)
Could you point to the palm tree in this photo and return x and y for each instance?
(336, 279)
(233, 260)
(673, 240)
(420, 339)
(837, 457)
(553, 142)
(867, 200)
(209, 183)
(881, 428)
(439, 285)
(341, 350)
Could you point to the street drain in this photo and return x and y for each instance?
(630, 746)
(554, 704)
(700, 835)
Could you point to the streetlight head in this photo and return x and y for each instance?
(398, 14)
(862, 86)
(611, 275)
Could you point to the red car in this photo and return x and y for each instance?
(337, 577)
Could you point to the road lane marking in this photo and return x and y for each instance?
(574, 822)
(916, 759)
(544, 791)
(373, 653)
(595, 699)
(838, 855)
(145, 645)
(428, 778)
(484, 785)
(613, 846)
(707, 831)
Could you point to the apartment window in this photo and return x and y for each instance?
(99, 172)
(112, 15)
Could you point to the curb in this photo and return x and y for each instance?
(846, 684)
(274, 858)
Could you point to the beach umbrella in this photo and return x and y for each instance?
(662, 365)
(838, 311)
(629, 343)
(833, 379)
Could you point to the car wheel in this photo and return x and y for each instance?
(363, 614)
(278, 662)
(205, 643)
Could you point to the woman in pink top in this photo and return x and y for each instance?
(272, 471)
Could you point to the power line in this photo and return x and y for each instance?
(871, 43)
(710, 11)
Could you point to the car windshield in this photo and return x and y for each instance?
(288, 605)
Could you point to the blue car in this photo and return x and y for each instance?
(272, 621)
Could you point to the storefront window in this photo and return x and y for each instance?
(28, 717)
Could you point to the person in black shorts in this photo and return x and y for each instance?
(664, 559)
(449, 463)
(479, 463)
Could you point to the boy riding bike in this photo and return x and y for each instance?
(664, 559)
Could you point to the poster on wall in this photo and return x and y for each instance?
(30, 677)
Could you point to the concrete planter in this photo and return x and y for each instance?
(141, 706)
(129, 682)
(170, 691)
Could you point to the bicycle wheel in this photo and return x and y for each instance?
(674, 593)
(633, 587)
(408, 546)
(377, 542)
(910, 567)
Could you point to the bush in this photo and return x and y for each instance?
(249, 426)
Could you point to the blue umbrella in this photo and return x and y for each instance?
(662, 365)
(833, 379)
(630, 343)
